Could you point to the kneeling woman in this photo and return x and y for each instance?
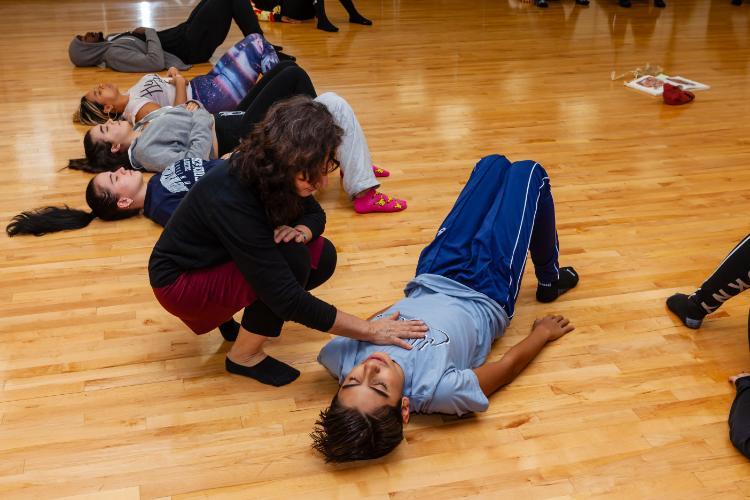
(248, 235)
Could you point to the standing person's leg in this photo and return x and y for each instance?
(323, 22)
(485, 238)
(356, 163)
(229, 81)
(354, 15)
(209, 23)
(729, 279)
(739, 415)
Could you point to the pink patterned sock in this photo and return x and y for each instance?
(373, 201)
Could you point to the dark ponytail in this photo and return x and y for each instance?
(53, 219)
(99, 157)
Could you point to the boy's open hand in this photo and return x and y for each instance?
(552, 327)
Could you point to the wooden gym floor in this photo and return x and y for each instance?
(105, 395)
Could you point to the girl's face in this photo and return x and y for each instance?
(104, 94)
(305, 188)
(115, 132)
(123, 184)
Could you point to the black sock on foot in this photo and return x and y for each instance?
(549, 292)
(270, 371)
(354, 15)
(325, 25)
(360, 19)
(320, 13)
(229, 330)
(690, 314)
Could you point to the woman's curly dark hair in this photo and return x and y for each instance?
(298, 135)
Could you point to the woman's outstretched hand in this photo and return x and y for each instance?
(392, 331)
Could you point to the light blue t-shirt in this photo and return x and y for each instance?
(438, 376)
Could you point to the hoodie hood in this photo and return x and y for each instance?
(87, 54)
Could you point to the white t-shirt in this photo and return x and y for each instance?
(150, 88)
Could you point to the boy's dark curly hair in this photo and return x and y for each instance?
(298, 135)
(344, 434)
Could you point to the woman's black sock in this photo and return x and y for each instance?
(229, 330)
(354, 15)
(323, 22)
(270, 371)
(549, 292)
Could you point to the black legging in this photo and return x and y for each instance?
(196, 39)
(258, 318)
(739, 417)
(285, 80)
(731, 278)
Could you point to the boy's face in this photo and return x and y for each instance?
(375, 382)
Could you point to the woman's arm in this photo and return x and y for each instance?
(493, 376)
(385, 331)
(122, 55)
(145, 110)
(180, 86)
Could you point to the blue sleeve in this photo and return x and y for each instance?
(332, 356)
(458, 392)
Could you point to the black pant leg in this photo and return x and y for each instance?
(731, 278)
(290, 80)
(209, 23)
(258, 318)
(739, 417)
(298, 9)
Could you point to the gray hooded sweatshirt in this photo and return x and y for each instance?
(172, 133)
(127, 53)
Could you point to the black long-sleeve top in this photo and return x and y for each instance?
(221, 220)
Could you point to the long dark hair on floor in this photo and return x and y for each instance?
(47, 220)
(99, 157)
(298, 135)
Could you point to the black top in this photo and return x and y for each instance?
(221, 220)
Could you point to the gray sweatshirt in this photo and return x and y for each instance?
(171, 134)
(127, 53)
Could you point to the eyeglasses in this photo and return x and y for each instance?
(332, 164)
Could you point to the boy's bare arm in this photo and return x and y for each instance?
(493, 376)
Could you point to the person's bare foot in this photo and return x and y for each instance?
(733, 378)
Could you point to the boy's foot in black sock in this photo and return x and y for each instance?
(660, 4)
(548, 292)
(625, 3)
(229, 330)
(689, 312)
(325, 25)
(270, 371)
(360, 19)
